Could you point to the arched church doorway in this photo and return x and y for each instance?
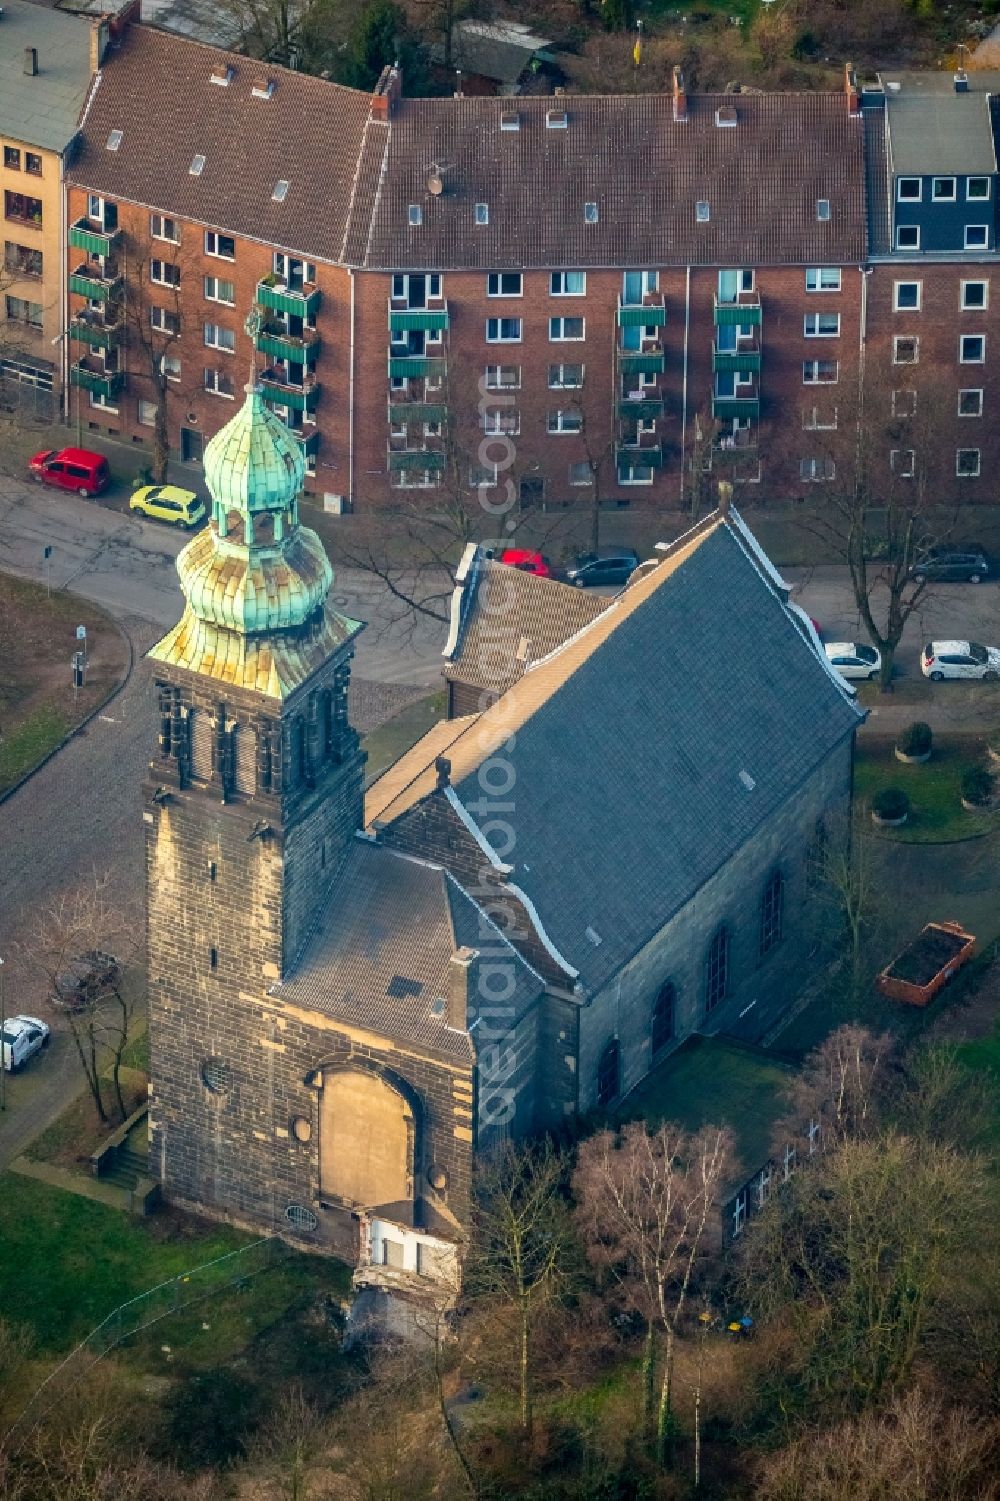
(367, 1140)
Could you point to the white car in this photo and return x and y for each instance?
(853, 659)
(960, 659)
(23, 1036)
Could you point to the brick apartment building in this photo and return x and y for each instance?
(538, 296)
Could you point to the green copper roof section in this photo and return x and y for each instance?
(254, 463)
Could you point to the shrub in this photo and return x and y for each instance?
(977, 785)
(916, 739)
(891, 802)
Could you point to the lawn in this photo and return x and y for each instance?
(713, 1081)
(934, 789)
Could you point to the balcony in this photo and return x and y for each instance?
(96, 283)
(84, 236)
(744, 361)
(641, 408)
(417, 411)
(652, 314)
(281, 345)
(91, 328)
(308, 442)
(280, 298)
(428, 459)
(416, 367)
(738, 407)
(298, 398)
(742, 440)
(745, 311)
(411, 320)
(93, 377)
(635, 454)
(650, 362)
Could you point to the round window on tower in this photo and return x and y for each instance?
(216, 1075)
(437, 1177)
(302, 1128)
(301, 1218)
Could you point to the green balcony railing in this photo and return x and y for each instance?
(742, 361)
(83, 236)
(410, 320)
(281, 299)
(645, 409)
(308, 442)
(651, 363)
(415, 367)
(724, 407)
(284, 346)
(430, 459)
(642, 315)
(299, 398)
(104, 383)
(95, 285)
(746, 312)
(634, 453)
(95, 333)
(417, 411)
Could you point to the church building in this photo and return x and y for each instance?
(602, 850)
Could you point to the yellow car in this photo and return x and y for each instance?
(168, 503)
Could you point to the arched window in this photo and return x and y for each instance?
(202, 734)
(663, 1017)
(245, 760)
(607, 1074)
(717, 969)
(771, 906)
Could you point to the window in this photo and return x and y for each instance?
(280, 191)
(19, 310)
(504, 284)
(904, 403)
(977, 237)
(972, 349)
(163, 274)
(217, 290)
(903, 462)
(503, 330)
(590, 213)
(977, 188)
(967, 463)
(415, 479)
(821, 326)
(223, 246)
(503, 377)
(771, 909)
(220, 383)
(817, 418)
(662, 1027)
(970, 403)
(25, 210)
(702, 213)
(217, 337)
(12, 158)
(197, 166)
(556, 119)
(909, 190)
(581, 473)
(823, 279)
(496, 421)
(33, 163)
(561, 329)
(481, 213)
(631, 472)
(565, 377)
(905, 350)
(822, 209)
(22, 260)
(817, 470)
(171, 366)
(975, 294)
(820, 372)
(115, 138)
(607, 1074)
(943, 189)
(717, 970)
(568, 284)
(414, 216)
(146, 412)
(165, 321)
(482, 474)
(162, 228)
(907, 236)
(565, 422)
(907, 296)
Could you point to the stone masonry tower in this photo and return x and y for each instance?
(249, 808)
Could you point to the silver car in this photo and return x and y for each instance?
(853, 659)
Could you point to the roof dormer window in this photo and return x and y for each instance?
(725, 116)
(556, 119)
(590, 213)
(262, 88)
(280, 191)
(510, 120)
(415, 215)
(822, 209)
(115, 139)
(481, 213)
(197, 166)
(702, 212)
(222, 74)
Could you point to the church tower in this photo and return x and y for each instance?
(249, 810)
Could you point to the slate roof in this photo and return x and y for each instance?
(498, 610)
(157, 89)
(762, 180)
(501, 51)
(877, 185)
(42, 110)
(649, 749)
(934, 129)
(380, 953)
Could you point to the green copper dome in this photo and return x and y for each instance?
(254, 463)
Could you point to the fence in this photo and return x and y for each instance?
(139, 1313)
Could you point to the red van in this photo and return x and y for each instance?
(71, 469)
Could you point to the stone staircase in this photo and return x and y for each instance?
(128, 1167)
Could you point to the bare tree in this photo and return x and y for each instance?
(645, 1203)
(848, 891)
(152, 318)
(845, 1087)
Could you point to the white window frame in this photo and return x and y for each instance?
(212, 240)
(898, 341)
(702, 215)
(216, 282)
(968, 473)
(969, 391)
(812, 379)
(495, 281)
(562, 337)
(588, 478)
(817, 471)
(488, 470)
(168, 360)
(917, 197)
(562, 384)
(156, 276)
(157, 315)
(557, 284)
(811, 421)
(906, 229)
(499, 337)
(214, 388)
(103, 403)
(903, 462)
(642, 479)
(811, 326)
(910, 404)
(965, 359)
(823, 210)
(974, 307)
(937, 197)
(415, 479)
(819, 273)
(158, 229)
(555, 422)
(978, 243)
(414, 215)
(211, 343)
(915, 307)
(591, 213)
(494, 382)
(971, 197)
(480, 214)
(502, 422)
(146, 412)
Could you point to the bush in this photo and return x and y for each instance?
(916, 739)
(977, 785)
(208, 1419)
(891, 802)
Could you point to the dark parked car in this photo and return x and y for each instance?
(611, 567)
(86, 979)
(945, 563)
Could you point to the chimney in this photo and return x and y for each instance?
(31, 61)
(462, 976)
(387, 93)
(725, 498)
(851, 90)
(98, 43)
(680, 99)
(443, 768)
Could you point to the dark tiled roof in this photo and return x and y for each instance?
(157, 91)
(493, 51)
(380, 953)
(500, 608)
(762, 181)
(877, 177)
